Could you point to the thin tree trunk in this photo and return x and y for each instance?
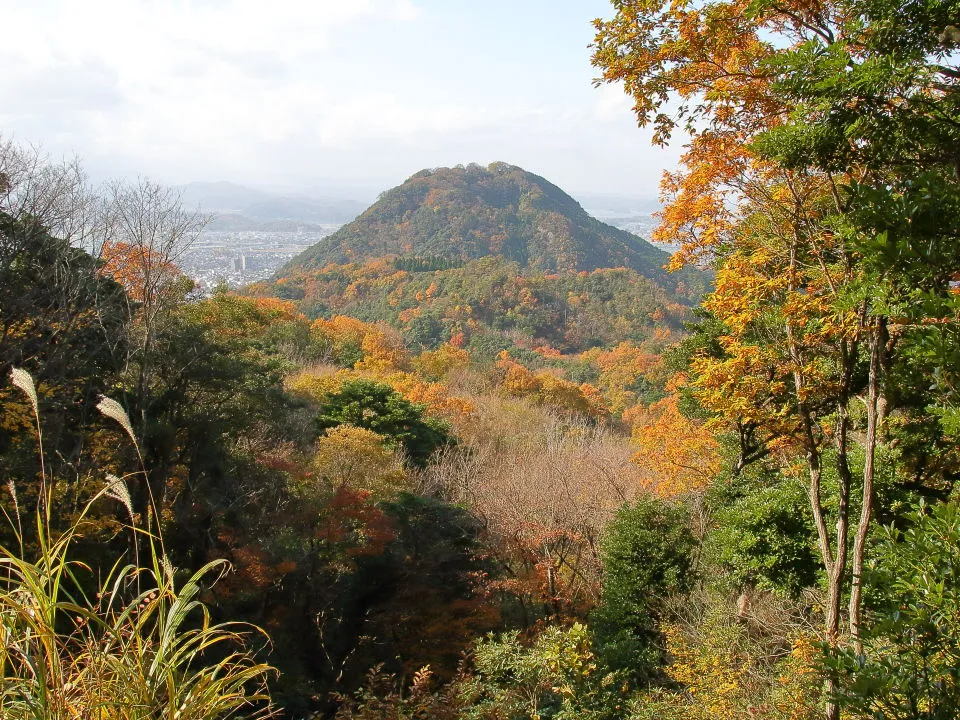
(832, 609)
(834, 566)
(845, 481)
(877, 342)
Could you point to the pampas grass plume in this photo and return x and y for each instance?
(118, 490)
(22, 379)
(12, 489)
(114, 410)
(167, 569)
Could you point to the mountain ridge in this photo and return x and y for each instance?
(232, 200)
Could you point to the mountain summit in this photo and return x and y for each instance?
(463, 213)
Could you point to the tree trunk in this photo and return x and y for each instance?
(877, 343)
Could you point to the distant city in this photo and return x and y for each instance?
(240, 257)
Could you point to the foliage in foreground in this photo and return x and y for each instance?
(911, 655)
(137, 645)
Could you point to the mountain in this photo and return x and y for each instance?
(490, 259)
(464, 213)
(235, 222)
(257, 205)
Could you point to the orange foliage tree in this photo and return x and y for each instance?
(794, 326)
(679, 453)
(621, 369)
(350, 342)
(547, 389)
(437, 364)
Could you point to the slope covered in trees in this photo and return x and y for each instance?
(489, 304)
(459, 214)
(489, 259)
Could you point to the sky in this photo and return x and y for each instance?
(336, 97)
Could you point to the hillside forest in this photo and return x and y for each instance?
(480, 456)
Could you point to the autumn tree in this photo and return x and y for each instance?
(547, 388)
(360, 458)
(679, 453)
(438, 364)
(816, 136)
(147, 232)
(879, 97)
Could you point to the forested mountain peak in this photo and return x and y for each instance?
(467, 212)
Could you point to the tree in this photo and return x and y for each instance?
(148, 231)
(438, 364)
(377, 407)
(762, 533)
(57, 196)
(63, 321)
(355, 456)
(647, 554)
(880, 94)
(906, 668)
(680, 454)
(808, 125)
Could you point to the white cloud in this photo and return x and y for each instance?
(160, 34)
(384, 116)
(293, 89)
(148, 76)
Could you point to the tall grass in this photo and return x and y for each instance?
(141, 646)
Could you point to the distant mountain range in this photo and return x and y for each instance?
(465, 213)
(236, 207)
(235, 222)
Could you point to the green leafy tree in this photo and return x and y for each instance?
(762, 533)
(907, 669)
(426, 332)
(383, 410)
(647, 553)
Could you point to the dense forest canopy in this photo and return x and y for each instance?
(477, 455)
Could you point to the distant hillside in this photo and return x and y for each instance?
(488, 304)
(235, 222)
(464, 213)
(257, 205)
(490, 259)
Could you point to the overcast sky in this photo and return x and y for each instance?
(314, 94)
